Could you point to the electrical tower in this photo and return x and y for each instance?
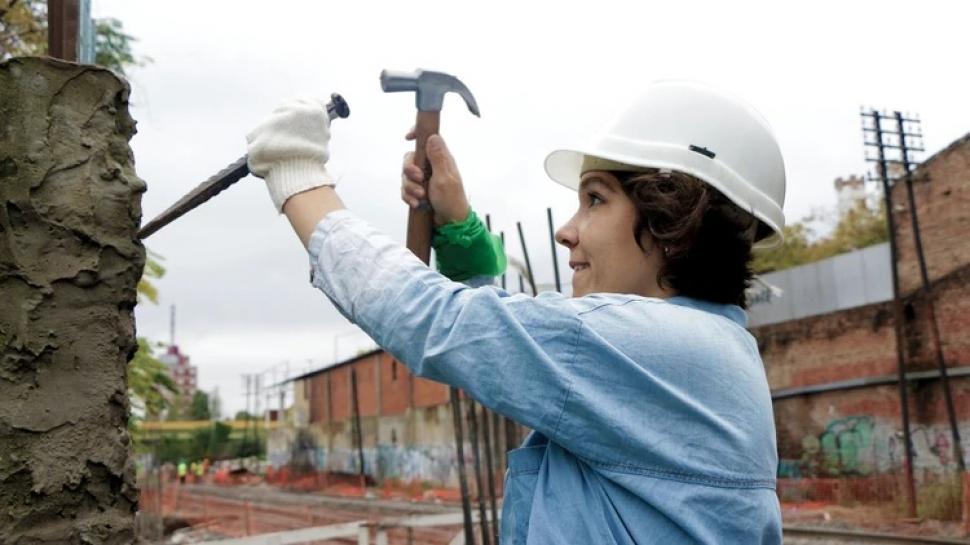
(894, 146)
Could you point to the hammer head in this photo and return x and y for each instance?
(430, 88)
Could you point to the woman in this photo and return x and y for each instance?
(651, 411)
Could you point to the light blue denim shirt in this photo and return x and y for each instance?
(652, 418)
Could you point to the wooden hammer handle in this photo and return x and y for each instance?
(421, 220)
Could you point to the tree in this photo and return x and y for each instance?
(23, 31)
(861, 226)
(23, 28)
(150, 386)
(199, 407)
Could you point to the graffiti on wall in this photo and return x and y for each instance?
(860, 445)
(433, 464)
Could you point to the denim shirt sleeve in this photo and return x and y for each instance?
(509, 352)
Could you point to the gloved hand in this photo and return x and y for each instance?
(289, 149)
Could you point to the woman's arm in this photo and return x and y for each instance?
(305, 210)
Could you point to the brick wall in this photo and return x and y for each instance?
(843, 345)
(319, 398)
(395, 386)
(367, 391)
(340, 392)
(859, 431)
(428, 393)
(941, 188)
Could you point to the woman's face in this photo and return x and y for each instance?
(603, 253)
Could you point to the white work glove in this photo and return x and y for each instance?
(289, 149)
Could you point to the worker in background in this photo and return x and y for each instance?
(651, 412)
(182, 470)
(199, 472)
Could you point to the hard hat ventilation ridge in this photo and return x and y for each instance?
(702, 151)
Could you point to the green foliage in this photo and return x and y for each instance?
(199, 407)
(153, 271)
(23, 28)
(243, 415)
(113, 46)
(860, 227)
(23, 31)
(214, 442)
(150, 386)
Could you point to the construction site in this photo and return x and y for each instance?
(242, 430)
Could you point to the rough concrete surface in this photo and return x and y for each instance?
(69, 265)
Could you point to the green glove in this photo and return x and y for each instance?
(466, 249)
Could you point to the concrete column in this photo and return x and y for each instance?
(69, 263)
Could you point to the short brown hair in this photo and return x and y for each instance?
(705, 238)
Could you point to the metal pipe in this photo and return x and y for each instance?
(552, 241)
(525, 254)
(466, 509)
(928, 290)
(898, 319)
(359, 435)
(476, 456)
(864, 382)
(501, 235)
(487, 419)
(492, 423)
(511, 437)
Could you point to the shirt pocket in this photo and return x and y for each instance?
(520, 485)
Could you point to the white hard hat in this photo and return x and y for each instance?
(697, 130)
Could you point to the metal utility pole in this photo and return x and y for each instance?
(171, 326)
(247, 378)
(907, 130)
(904, 150)
(897, 305)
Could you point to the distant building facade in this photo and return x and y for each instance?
(406, 425)
(182, 372)
(849, 192)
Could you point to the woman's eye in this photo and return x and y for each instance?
(594, 199)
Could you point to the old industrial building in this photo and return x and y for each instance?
(828, 343)
(834, 374)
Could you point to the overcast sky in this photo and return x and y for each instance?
(546, 75)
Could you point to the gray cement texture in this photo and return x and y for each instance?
(70, 206)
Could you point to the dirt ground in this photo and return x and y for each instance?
(881, 519)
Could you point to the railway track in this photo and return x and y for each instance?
(809, 535)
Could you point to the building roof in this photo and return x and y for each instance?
(331, 366)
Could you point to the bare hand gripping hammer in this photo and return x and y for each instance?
(239, 169)
(430, 88)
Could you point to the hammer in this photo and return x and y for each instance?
(430, 88)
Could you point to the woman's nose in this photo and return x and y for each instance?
(566, 235)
